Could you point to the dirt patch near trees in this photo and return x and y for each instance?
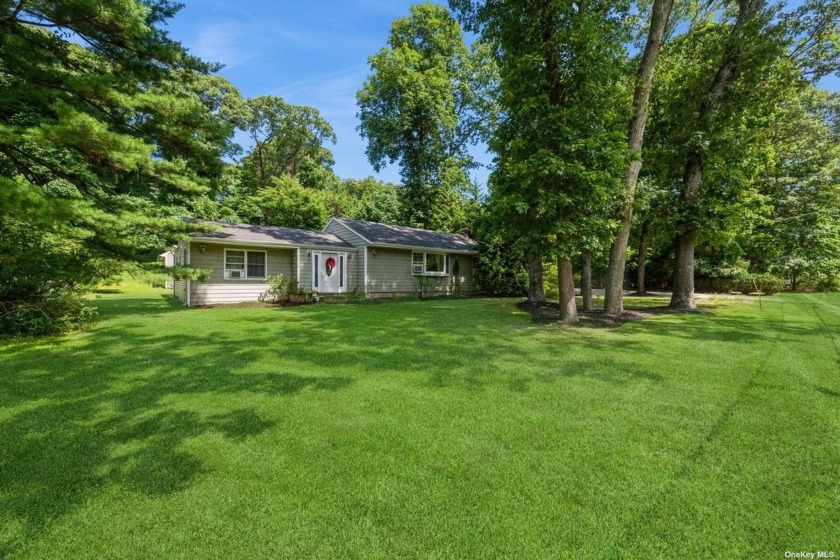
(550, 313)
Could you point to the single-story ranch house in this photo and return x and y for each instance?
(378, 260)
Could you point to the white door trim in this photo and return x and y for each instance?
(316, 257)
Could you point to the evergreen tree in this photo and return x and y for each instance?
(104, 140)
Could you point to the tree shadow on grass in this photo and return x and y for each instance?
(81, 417)
(106, 409)
(109, 307)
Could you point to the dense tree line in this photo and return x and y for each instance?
(708, 97)
(655, 140)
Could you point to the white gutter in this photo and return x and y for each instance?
(189, 283)
(215, 241)
(426, 249)
(366, 274)
(297, 260)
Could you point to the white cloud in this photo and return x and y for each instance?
(332, 93)
(222, 42)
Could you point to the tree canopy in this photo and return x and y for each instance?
(559, 142)
(108, 130)
(425, 103)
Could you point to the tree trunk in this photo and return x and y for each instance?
(614, 292)
(727, 72)
(643, 247)
(566, 285)
(586, 280)
(261, 163)
(683, 284)
(536, 292)
(683, 295)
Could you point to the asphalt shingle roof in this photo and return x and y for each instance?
(269, 234)
(387, 234)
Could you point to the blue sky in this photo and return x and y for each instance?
(310, 53)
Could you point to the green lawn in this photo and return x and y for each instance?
(423, 429)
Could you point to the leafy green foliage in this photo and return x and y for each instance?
(62, 311)
(728, 87)
(285, 202)
(426, 101)
(456, 282)
(366, 199)
(797, 232)
(760, 283)
(278, 290)
(288, 140)
(108, 131)
(356, 295)
(500, 265)
(560, 140)
(426, 287)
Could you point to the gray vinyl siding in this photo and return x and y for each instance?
(305, 269)
(216, 289)
(467, 273)
(389, 273)
(345, 233)
(358, 262)
(179, 287)
(352, 270)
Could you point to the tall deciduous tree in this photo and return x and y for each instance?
(763, 59)
(729, 67)
(559, 143)
(425, 102)
(286, 203)
(287, 140)
(367, 199)
(798, 236)
(660, 14)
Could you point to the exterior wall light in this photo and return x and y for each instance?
(202, 248)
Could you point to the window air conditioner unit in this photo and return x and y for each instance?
(236, 274)
(418, 269)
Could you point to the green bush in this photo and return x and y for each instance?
(278, 289)
(43, 277)
(764, 283)
(54, 315)
(153, 279)
(426, 286)
(828, 284)
(499, 270)
(456, 278)
(356, 295)
(293, 287)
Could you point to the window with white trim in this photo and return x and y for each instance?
(244, 265)
(430, 264)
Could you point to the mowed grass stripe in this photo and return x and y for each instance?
(421, 429)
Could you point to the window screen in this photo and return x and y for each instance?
(256, 264)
